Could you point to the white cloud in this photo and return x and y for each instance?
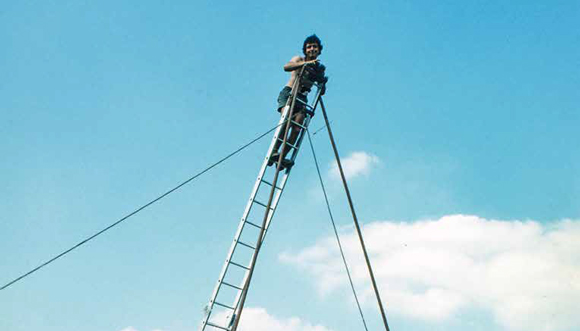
(130, 328)
(525, 273)
(258, 319)
(357, 163)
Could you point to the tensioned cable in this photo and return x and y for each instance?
(335, 230)
(141, 208)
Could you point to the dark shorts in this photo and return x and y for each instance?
(285, 95)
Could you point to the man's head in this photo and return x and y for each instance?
(312, 47)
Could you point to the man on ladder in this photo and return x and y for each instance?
(313, 72)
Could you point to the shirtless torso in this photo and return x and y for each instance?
(295, 63)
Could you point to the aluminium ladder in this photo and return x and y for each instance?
(224, 304)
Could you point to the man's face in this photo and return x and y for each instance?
(312, 51)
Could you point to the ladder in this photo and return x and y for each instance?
(224, 304)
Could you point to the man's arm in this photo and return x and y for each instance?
(296, 63)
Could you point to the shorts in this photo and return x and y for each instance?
(285, 95)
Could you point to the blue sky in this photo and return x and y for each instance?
(458, 120)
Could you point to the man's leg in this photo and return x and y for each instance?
(295, 131)
(282, 102)
(275, 151)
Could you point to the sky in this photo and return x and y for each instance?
(456, 122)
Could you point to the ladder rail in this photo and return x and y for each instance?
(241, 226)
(278, 189)
(243, 294)
(287, 113)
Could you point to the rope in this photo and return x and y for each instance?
(336, 231)
(139, 209)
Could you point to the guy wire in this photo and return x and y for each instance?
(336, 231)
(140, 208)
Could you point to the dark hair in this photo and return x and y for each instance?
(311, 40)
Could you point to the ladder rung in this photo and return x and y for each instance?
(297, 124)
(216, 326)
(238, 265)
(287, 143)
(233, 286)
(244, 244)
(252, 224)
(267, 182)
(263, 205)
(304, 103)
(222, 305)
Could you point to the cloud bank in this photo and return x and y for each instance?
(526, 274)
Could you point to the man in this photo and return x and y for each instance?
(311, 49)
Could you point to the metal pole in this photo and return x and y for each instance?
(262, 230)
(358, 230)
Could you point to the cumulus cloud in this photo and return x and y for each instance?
(258, 319)
(526, 274)
(356, 164)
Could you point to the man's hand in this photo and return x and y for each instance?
(311, 61)
(297, 63)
